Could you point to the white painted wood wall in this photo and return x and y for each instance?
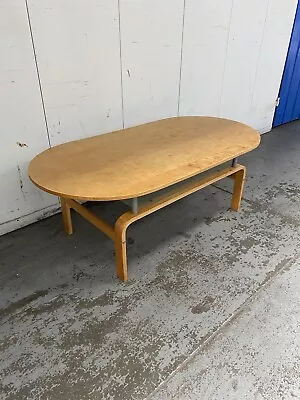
(76, 68)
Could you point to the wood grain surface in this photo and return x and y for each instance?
(140, 160)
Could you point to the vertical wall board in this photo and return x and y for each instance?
(206, 32)
(151, 37)
(78, 55)
(22, 129)
(275, 44)
(243, 53)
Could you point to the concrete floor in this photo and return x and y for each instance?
(211, 310)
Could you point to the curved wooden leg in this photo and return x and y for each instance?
(66, 213)
(239, 180)
(120, 247)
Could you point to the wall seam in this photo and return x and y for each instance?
(181, 57)
(225, 62)
(259, 55)
(121, 66)
(38, 72)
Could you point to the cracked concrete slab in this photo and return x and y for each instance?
(70, 329)
(255, 356)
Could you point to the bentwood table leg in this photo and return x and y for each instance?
(66, 213)
(239, 180)
(120, 247)
(121, 226)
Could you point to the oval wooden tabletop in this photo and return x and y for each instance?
(140, 160)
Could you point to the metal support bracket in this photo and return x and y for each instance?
(135, 205)
(234, 163)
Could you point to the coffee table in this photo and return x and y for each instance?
(148, 166)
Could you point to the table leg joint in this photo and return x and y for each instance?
(92, 218)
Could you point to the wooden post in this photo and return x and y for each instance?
(120, 247)
(239, 179)
(66, 213)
